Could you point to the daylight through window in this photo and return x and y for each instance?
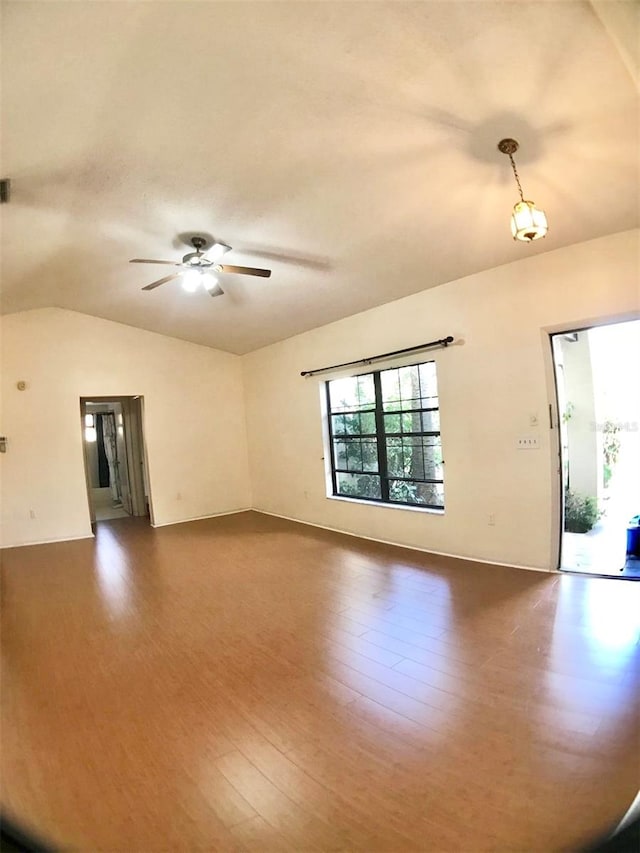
(384, 429)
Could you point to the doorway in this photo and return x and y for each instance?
(598, 398)
(115, 457)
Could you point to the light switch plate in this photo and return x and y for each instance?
(528, 443)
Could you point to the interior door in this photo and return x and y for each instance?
(85, 453)
(135, 453)
(122, 464)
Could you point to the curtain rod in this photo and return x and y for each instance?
(443, 342)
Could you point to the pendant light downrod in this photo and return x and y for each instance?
(528, 223)
(509, 147)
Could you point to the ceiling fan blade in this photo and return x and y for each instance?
(160, 281)
(312, 263)
(216, 290)
(244, 270)
(148, 261)
(217, 250)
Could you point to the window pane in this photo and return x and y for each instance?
(354, 455)
(413, 387)
(338, 424)
(352, 423)
(390, 382)
(411, 422)
(352, 392)
(395, 463)
(416, 457)
(400, 388)
(392, 423)
(343, 394)
(429, 381)
(370, 454)
(431, 421)
(366, 391)
(410, 387)
(358, 485)
(348, 454)
(433, 469)
(413, 455)
(421, 494)
(368, 423)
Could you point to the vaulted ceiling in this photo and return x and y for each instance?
(348, 146)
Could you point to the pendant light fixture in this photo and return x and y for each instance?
(528, 222)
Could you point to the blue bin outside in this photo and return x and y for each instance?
(633, 536)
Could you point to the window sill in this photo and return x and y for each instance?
(426, 509)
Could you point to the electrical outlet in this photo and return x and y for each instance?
(528, 443)
(491, 520)
(32, 513)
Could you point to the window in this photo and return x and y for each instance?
(384, 430)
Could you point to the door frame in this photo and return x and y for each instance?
(557, 495)
(137, 457)
(83, 412)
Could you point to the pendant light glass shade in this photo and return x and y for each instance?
(528, 222)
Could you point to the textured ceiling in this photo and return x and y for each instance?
(351, 147)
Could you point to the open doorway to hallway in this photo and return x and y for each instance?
(599, 408)
(115, 458)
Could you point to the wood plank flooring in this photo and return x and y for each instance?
(247, 683)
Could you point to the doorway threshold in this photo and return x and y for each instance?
(630, 571)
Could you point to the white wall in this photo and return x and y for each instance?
(490, 385)
(194, 421)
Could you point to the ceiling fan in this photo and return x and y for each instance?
(198, 269)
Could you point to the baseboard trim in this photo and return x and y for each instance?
(92, 535)
(309, 524)
(202, 517)
(48, 541)
(409, 547)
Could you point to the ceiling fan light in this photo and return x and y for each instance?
(191, 280)
(209, 281)
(528, 222)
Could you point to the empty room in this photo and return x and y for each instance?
(320, 426)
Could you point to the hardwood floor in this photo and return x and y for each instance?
(247, 683)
